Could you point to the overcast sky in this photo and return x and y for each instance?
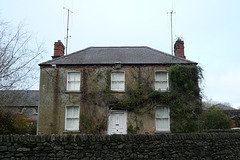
(210, 30)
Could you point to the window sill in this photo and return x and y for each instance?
(117, 91)
(73, 92)
(71, 131)
(162, 132)
(162, 90)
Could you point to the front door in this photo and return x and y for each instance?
(117, 122)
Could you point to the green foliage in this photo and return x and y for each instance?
(184, 80)
(133, 99)
(89, 126)
(132, 130)
(33, 128)
(216, 119)
(160, 97)
(186, 99)
(12, 123)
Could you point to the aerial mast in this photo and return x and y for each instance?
(171, 31)
(67, 29)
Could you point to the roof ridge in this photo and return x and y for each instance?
(119, 47)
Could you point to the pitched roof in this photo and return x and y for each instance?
(19, 98)
(111, 55)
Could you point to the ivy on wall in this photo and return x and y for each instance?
(185, 95)
(184, 98)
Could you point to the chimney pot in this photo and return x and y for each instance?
(179, 49)
(58, 49)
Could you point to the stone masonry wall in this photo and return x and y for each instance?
(166, 146)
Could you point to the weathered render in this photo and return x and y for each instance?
(95, 100)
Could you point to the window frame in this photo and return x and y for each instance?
(66, 118)
(67, 86)
(159, 89)
(117, 90)
(168, 117)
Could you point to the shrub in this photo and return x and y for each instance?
(12, 123)
(216, 119)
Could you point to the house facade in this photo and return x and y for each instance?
(97, 90)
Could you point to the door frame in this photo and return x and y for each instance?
(109, 116)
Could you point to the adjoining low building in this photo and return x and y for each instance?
(226, 109)
(78, 91)
(24, 102)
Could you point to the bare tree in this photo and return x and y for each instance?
(19, 54)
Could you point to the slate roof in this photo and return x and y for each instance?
(111, 55)
(19, 98)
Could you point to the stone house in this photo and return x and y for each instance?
(84, 92)
(24, 102)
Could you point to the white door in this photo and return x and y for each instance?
(117, 122)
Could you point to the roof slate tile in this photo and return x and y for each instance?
(111, 55)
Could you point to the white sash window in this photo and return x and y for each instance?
(118, 81)
(162, 119)
(161, 81)
(73, 81)
(72, 118)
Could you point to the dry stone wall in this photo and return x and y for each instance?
(208, 146)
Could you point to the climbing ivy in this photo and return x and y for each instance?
(183, 98)
(186, 98)
(89, 126)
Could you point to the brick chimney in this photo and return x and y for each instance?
(179, 49)
(58, 49)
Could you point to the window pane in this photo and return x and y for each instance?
(74, 76)
(157, 86)
(121, 85)
(69, 123)
(73, 85)
(118, 76)
(157, 76)
(161, 76)
(117, 85)
(114, 76)
(76, 124)
(121, 76)
(75, 112)
(162, 112)
(163, 85)
(162, 124)
(69, 112)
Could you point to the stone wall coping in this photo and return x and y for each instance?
(116, 138)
